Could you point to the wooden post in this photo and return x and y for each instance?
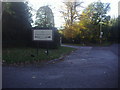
(37, 48)
(47, 49)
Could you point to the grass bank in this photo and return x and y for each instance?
(29, 55)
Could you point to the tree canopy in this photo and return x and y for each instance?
(87, 27)
(44, 17)
(70, 13)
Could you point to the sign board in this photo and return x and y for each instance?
(42, 35)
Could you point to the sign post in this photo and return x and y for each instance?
(42, 35)
(37, 48)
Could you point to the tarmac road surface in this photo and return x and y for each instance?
(87, 67)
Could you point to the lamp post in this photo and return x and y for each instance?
(100, 32)
(101, 22)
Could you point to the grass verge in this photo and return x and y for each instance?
(29, 55)
(90, 44)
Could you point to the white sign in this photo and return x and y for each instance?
(42, 35)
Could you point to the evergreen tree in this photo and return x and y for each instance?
(16, 23)
(44, 17)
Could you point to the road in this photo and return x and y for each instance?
(87, 67)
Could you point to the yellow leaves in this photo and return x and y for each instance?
(82, 24)
(60, 31)
(71, 31)
(80, 28)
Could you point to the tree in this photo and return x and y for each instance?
(91, 19)
(70, 15)
(16, 23)
(6, 7)
(44, 17)
(114, 31)
(87, 26)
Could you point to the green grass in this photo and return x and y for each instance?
(90, 44)
(23, 55)
(73, 44)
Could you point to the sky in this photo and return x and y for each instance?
(57, 6)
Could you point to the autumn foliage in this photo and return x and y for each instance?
(90, 26)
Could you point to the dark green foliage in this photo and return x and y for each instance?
(16, 24)
(119, 29)
(114, 30)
